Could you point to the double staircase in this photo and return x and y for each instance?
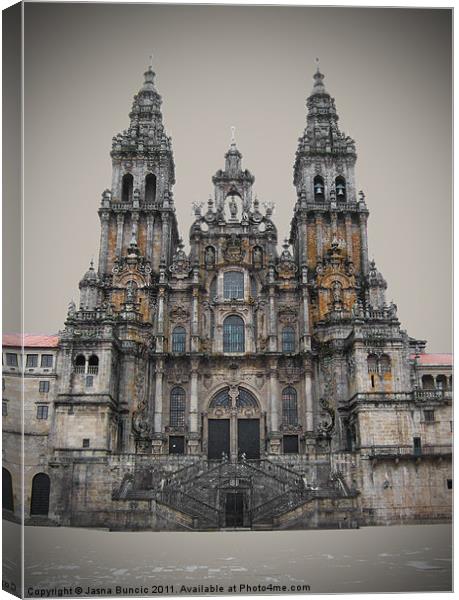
(198, 496)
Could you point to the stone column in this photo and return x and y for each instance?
(119, 233)
(350, 250)
(273, 398)
(272, 324)
(103, 252)
(309, 399)
(158, 415)
(363, 243)
(306, 325)
(319, 236)
(195, 319)
(193, 413)
(149, 248)
(165, 239)
(304, 242)
(160, 321)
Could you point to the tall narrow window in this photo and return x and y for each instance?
(428, 382)
(289, 406)
(178, 339)
(319, 188)
(288, 339)
(150, 188)
(177, 407)
(233, 334)
(233, 285)
(340, 187)
(127, 186)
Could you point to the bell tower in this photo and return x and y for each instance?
(329, 226)
(138, 209)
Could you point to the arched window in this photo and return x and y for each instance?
(127, 185)
(440, 382)
(150, 188)
(7, 490)
(428, 382)
(39, 503)
(233, 285)
(178, 339)
(372, 362)
(80, 364)
(233, 334)
(289, 406)
(319, 188)
(177, 407)
(93, 365)
(340, 186)
(288, 339)
(384, 364)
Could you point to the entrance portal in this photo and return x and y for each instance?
(248, 432)
(219, 438)
(234, 509)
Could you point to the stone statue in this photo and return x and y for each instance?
(209, 257)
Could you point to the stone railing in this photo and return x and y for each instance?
(409, 451)
(425, 395)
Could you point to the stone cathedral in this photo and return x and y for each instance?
(239, 384)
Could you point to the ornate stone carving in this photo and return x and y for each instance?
(286, 268)
(179, 314)
(180, 267)
(234, 253)
(288, 315)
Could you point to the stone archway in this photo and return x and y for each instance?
(233, 424)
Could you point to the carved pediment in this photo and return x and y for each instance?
(288, 315)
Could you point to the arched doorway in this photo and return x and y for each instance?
(233, 425)
(7, 490)
(39, 503)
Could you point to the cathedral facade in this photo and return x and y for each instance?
(237, 385)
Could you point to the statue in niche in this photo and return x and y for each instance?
(337, 295)
(209, 257)
(233, 208)
(257, 257)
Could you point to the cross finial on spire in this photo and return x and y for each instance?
(233, 132)
(150, 64)
(317, 62)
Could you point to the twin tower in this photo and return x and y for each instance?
(237, 348)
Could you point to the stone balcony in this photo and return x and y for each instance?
(408, 452)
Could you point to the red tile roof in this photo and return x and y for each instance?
(30, 341)
(434, 359)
